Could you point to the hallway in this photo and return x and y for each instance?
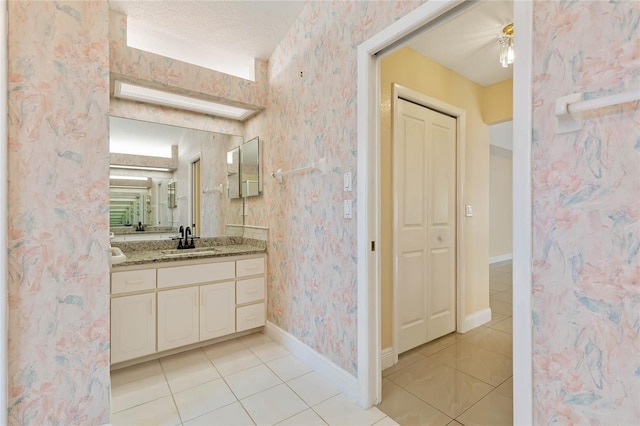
(459, 378)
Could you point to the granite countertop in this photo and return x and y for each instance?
(164, 251)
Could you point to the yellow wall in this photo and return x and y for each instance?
(497, 102)
(410, 69)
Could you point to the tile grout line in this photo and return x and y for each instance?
(175, 404)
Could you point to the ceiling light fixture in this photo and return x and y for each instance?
(159, 97)
(506, 46)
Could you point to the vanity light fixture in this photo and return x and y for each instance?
(127, 177)
(151, 169)
(506, 46)
(159, 97)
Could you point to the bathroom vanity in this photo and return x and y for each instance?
(164, 300)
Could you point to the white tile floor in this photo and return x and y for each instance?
(246, 381)
(459, 378)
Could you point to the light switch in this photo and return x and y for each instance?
(468, 210)
(347, 182)
(348, 209)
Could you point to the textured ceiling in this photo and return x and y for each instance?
(253, 28)
(468, 43)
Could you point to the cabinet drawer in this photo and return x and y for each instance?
(250, 267)
(249, 290)
(195, 274)
(251, 316)
(129, 281)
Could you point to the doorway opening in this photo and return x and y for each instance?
(427, 16)
(195, 196)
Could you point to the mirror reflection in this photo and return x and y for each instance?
(153, 186)
(233, 173)
(250, 184)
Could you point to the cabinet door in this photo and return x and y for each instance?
(133, 326)
(217, 310)
(178, 318)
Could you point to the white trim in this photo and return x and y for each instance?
(345, 382)
(500, 258)
(4, 223)
(196, 158)
(461, 126)
(388, 357)
(522, 219)
(474, 320)
(368, 225)
(369, 377)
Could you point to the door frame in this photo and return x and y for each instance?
(459, 114)
(191, 200)
(368, 225)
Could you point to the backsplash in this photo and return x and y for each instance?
(257, 233)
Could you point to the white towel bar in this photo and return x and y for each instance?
(569, 108)
(320, 166)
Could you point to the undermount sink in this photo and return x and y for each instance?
(200, 251)
(117, 256)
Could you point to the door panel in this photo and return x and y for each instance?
(424, 223)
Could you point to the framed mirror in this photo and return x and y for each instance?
(250, 169)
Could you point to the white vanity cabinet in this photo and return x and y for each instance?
(178, 318)
(133, 326)
(217, 310)
(182, 303)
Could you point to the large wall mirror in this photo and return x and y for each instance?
(151, 179)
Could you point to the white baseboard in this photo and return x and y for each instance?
(386, 356)
(345, 382)
(474, 320)
(501, 258)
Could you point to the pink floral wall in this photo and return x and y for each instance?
(58, 212)
(311, 113)
(586, 217)
(160, 72)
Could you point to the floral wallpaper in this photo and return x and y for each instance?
(311, 114)
(58, 208)
(586, 190)
(158, 71)
(586, 217)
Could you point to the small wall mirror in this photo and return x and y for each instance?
(250, 182)
(233, 173)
